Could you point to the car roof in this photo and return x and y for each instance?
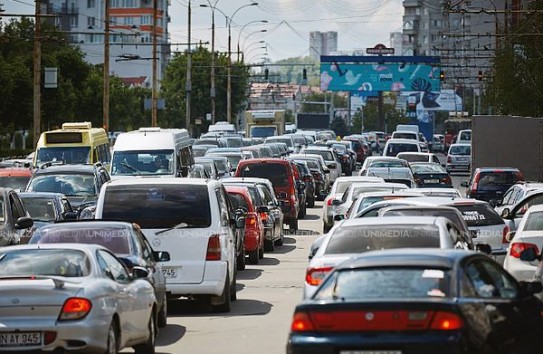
(40, 195)
(88, 223)
(403, 141)
(68, 169)
(497, 169)
(415, 153)
(370, 179)
(155, 181)
(389, 221)
(71, 246)
(461, 144)
(264, 160)
(408, 257)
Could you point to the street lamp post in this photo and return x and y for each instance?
(249, 35)
(212, 91)
(241, 30)
(188, 83)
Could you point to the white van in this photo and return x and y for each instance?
(394, 146)
(464, 137)
(152, 152)
(222, 128)
(190, 218)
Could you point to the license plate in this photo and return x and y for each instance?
(370, 352)
(169, 273)
(431, 181)
(20, 339)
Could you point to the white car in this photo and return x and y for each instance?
(402, 175)
(394, 146)
(529, 234)
(352, 237)
(338, 188)
(418, 157)
(381, 161)
(193, 220)
(329, 157)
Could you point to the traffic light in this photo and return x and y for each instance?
(266, 74)
(304, 74)
(441, 76)
(480, 75)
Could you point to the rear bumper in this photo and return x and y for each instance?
(211, 284)
(458, 167)
(251, 240)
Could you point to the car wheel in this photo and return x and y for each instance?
(112, 335)
(162, 320)
(293, 225)
(149, 346)
(254, 256)
(241, 259)
(269, 245)
(279, 241)
(224, 307)
(261, 252)
(311, 202)
(233, 290)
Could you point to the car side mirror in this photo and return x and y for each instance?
(313, 253)
(493, 203)
(162, 256)
(24, 222)
(240, 222)
(338, 217)
(529, 255)
(506, 213)
(336, 202)
(326, 172)
(464, 184)
(70, 215)
(509, 236)
(483, 248)
(139, 272)
(332, 165)
(263, 209)
(530, 287)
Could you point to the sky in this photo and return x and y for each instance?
(360, 24)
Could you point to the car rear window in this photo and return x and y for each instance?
(238, 201)
(386, 282)
(479, 215)
(275, 172)
(498, 180)
(42, 209)
(396, 148)
(33, 262)
(354, 239)
(388, 163)
(159, 206)
(413, 158)
(405, 136)
(451, 215)
(534, 222)
(460, 150)
(326, 155)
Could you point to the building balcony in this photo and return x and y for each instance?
(411, 3)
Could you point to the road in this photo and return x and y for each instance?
(267, 294)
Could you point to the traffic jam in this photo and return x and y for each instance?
(101, 238)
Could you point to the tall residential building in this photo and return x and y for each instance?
(131, 33)
(396, 42)
(322, 43)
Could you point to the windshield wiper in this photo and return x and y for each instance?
(124, 164)
(178, 226)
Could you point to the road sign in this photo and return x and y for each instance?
(380, 49)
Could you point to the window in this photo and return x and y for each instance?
(74, 21)
(275, 172)
(146, 20)
(479, 215)
(489, 281)
(91, 21)
(112, 267)
(128, 20)
(91, 4)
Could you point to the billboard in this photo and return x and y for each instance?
(444, 100)
(379, 77)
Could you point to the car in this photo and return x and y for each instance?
(15, 177)
(394, 146)
(221, 162)
(233, 157)
(210, 165)
(364, 200)
(263, 194)
(308, 180)
(192, 219)
(198, 171)
(381, 161)
(430, 175)
(440, 192)
(200, 150)
(360, 147)
(282, 139)
(329, 157)
(490, 183)
(464, 137)
(125, 240)
(320, 172)
(515, 193)
(458, 158)
(344, 154)
(281, 174)
(81, 184)
(254, 231)
(418, 157)
(74, 298)
(15, 220)
(438, 143)
(529, 234)
(418, 301)
(300, 188)
(351, 237)
(402, 175)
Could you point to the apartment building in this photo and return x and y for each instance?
(322, 43)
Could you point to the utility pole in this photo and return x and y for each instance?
(37, 73)
(105, 98)
(188, 84)
(212, 92)
(154, 98)
(229, 74)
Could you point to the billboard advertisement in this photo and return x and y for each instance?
(379, 77)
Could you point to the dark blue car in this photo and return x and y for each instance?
(417, 301)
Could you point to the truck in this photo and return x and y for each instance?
(313, 121)
(508, 141)
(264, 123)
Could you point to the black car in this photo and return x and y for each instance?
(124, 239)
(419, 301)
(430, 175)
(15, 221)
(81, 184)
(491, 183)
(309, 181)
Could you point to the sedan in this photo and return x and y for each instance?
(430, 175)
(125, 240)
(74, 298)
(419, 301)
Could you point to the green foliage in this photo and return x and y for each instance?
(339, 101)
(339, 127)
(291, 72)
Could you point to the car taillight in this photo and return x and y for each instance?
(250, 220)
(315, 276)
(264, 217)
(446, 180)
(301, 323)
(49, 337)
(504, 234)
(518, 247)
(75, 308)
(446, 321)
(449, 159)
(307, 178)
(213, 248)
(329, 201)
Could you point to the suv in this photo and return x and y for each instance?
(192, 219)
(490, 183)
(281, 174)
(81, 184)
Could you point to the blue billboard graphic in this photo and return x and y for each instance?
(379, 77)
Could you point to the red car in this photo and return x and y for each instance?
(15, 177)
(254, 226)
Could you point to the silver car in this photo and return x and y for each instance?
(74, 298)
(459, 158)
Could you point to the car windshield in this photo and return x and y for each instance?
(427, 168)
(355, 239)
(327, 155)
(145, 162)
(534, 221)
(42, 209)
(67, 184)
(116, 239)
(388, 163)
(465, 136)
(14, 182)
(157, 205)
(275, 172)
(66, 155)
(460, 150)
(52, 262)
(479, 215)
(385, 283)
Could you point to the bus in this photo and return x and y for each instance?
(74, 143)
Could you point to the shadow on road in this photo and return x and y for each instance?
(284, 249)
(301, 232)
(194, 308)
(310, 217)
(170, 334)
(250, 273)
(289, 241)
(269, 261)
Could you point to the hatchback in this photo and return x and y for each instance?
(490, 183)
(394, 146)
(459, 158)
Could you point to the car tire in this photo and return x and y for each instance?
(241, 260)
(269, 245)
(226, 306)
(293, 225)
(261, 252)
(279, 241)
(162, 318)
(149, 346)
(112, 339)
(254, 256)
(233, 290)
(311, 201)
(325, 229)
